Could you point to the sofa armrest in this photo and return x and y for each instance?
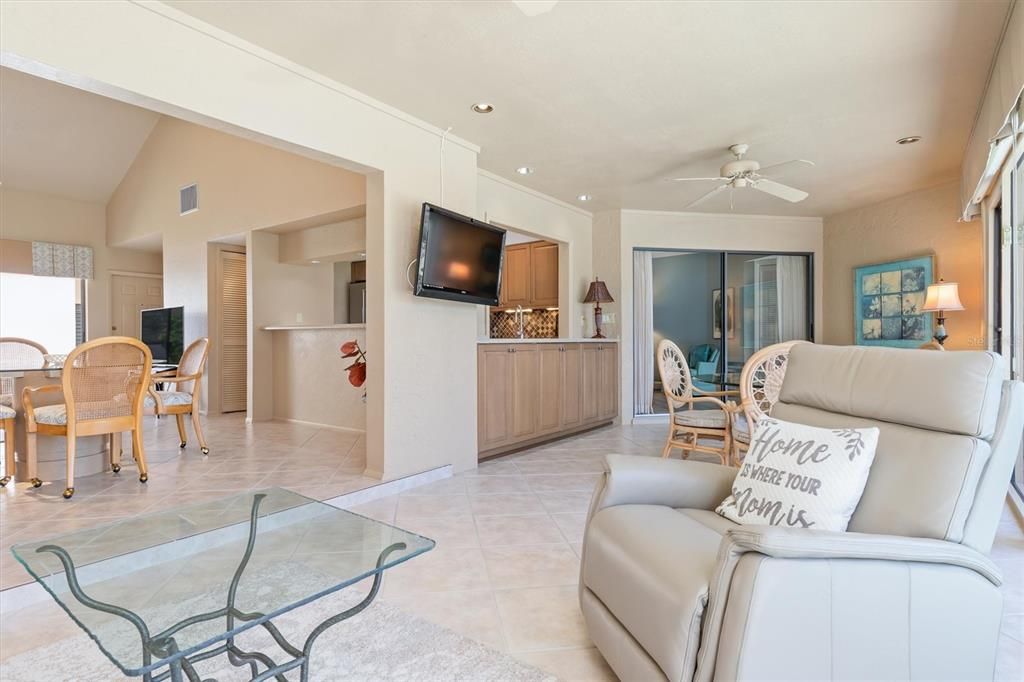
(789, 543)
(666, 482)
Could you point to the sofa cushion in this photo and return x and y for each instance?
(53, 415)
(952, 392)
(169, 398)
(702, 419)
(7, 412)
(801, 476)
(650, 566)
(921, 484)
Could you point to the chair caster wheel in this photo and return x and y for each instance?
(182, 445)
(205, 451)
(143, 478)
(36, 482)
(68, 492)
(4, 481)
(115, 468)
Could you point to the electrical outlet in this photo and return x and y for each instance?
(298, 318)
(608, 317)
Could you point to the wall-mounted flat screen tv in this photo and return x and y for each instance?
(460, 258)
(163, 330)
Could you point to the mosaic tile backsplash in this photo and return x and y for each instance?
(538, 324)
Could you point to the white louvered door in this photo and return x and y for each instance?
(232, 321)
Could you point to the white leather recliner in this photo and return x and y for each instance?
(670, 590)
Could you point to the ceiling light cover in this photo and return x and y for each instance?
(910, 139)
(483, 108)
(524, 170)
(584, 197)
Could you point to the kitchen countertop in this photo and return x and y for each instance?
(547, 340)
(306, 327)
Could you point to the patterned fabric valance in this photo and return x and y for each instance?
(62, 260)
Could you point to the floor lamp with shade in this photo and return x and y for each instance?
(941, 298)
(598, 293)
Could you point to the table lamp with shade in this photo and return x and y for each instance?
(942, 297)
(598, 293)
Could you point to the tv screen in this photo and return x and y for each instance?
(460, 258)
(163, 330)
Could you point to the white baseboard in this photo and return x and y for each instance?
(29, 594)
(650, 419)
(329, 427)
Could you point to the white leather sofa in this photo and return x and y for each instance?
(670, 590)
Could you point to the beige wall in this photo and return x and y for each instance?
(916, 224)
(31, 216)
(618, 233)
(346, 239)
(310, 381)
(507, 203)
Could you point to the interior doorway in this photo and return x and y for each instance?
(129, 295)
(230, 327)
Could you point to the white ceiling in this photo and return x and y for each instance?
(608, 97)
(59, 140)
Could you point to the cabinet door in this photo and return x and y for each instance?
(608, 381)
(494, 399)
(515, 285)
(572, 377)
(549, 384)
(525, 378)
(543, 274)
(590, 382)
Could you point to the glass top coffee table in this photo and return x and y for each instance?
(161, 592)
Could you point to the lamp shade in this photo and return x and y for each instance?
(942, 296)
(598, 293)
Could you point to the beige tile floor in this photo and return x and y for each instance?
(506, 565)
(317, 462)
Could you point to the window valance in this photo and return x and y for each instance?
(62, 260)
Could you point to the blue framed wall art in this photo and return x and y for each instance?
(887, 302)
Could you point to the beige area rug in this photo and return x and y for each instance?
(381, 643)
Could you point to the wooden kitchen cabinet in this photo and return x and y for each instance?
(531, 392)
(529, 277)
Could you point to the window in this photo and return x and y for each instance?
(47, 310)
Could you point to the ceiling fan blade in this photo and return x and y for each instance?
(775, 167)
(706, 196)
(777, 189)
(691, 179)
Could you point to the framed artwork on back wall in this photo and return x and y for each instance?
(887, 303)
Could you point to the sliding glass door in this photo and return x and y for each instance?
(719, 308)
(1008, 279)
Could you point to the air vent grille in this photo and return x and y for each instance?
(189, 199)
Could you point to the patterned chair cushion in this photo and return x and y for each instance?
(169, 398)
(7, 412)
(54, 415)
(741, 430)
(704, 419)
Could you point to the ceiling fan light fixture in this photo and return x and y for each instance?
(910, 139)
(482, 108)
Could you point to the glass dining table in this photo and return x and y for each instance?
(161, 593)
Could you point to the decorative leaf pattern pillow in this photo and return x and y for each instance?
(800, 476)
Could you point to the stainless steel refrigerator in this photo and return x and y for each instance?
(357, 303)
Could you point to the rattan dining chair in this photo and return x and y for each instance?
(103, 385)
(760, 384)
(18, 353)
(690, 428)
(184, 399)
(7, 416)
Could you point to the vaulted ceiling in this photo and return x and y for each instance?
(59, 140)
(607, 98)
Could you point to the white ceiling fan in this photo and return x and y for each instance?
(742, 173)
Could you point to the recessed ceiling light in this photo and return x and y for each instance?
(363, 255)
(524, 170)
(911, 139)
(483, 108)
(314, 262)
(584, 197)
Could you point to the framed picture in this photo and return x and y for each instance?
(729, 310)
(887, 302)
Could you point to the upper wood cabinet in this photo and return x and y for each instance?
(529, 276)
